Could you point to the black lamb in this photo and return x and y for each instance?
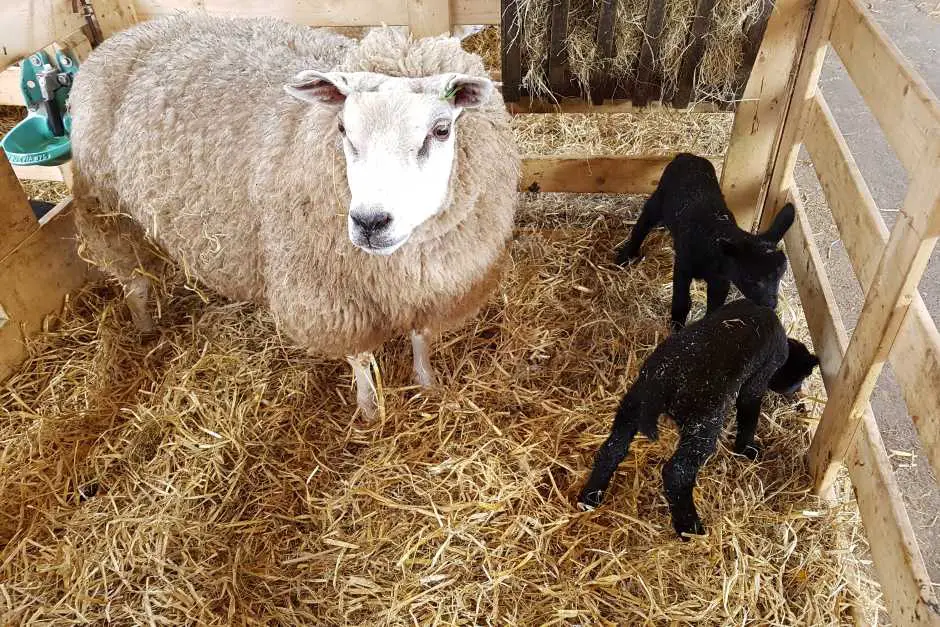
(729, 357)
(708, 243)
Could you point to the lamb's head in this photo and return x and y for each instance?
(398, 136)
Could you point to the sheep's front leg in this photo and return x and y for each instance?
(366, 392)
(137, 296)
(421, 349)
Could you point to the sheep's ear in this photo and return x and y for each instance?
(781, 224)
(320, 87)
(463, 91)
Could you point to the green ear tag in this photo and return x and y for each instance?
(447, 95)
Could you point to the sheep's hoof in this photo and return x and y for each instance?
(425, 377)
(626, 259)
(367, 404)
(590, 499)
(677, 325)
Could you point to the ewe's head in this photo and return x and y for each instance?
(398, 138)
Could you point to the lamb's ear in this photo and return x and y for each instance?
(781, 224)
(463, 91)
(320, 87)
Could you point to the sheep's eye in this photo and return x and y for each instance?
(341, 129)
(441, 131)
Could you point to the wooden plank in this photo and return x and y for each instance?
(784, 157)
(17, 221)
(29, 25)
(908, 594)
(429, 18)
(648, 82)
(510, 31)
(693, 53)
(38, 173)
(114, 15)
(557, 47)
(760, 117)
(10, 94)
(36, 278)
(607, 175)
(898, 97)
(886, 304)
(322, 12)
(915, 357)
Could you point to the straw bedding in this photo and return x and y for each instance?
(214, 474)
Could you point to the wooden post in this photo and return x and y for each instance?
(886, 304)
(602, 85)
(429, 18)
(558, 48)
(762, 115)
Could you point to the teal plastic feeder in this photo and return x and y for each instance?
(43, 137)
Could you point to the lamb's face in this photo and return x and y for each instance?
(398, 136)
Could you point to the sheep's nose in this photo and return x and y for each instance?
(371, 222)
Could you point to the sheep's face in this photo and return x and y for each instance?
(398, 136)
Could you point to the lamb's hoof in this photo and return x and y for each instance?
(676, 325)
(685, 529)
(424, 378)
(625, 258)
(590, 499)
(751, 451)
(369, 408)
(144, 324)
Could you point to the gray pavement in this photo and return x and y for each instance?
(914, 26)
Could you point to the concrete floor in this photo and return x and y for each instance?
(914, 26)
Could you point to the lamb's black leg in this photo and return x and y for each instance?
(649, 218)
(610, 454)
(697, 442)
(681, 298)
(717, 294)
(748, 410)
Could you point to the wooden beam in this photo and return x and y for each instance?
(753, 38)
(17, 221)
(38, 173)
(607, 175)
(783, 158)
(114, 15)
(36, 277)
(693, 54)
(648, 81)
(10, 94)
(762, 113)
(886, 304)
(322, 13)
(602, 83)
(511, 50)
(899, 98)
(915, 357)
(908, 594)
(429, 18)
(29, 25)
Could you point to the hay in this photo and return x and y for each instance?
(216, 475)
(644, 132)
(718, 77)
(49, 191)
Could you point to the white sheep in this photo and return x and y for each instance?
(360, 191)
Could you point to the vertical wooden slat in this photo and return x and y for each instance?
(908, 594)
(557, 54)
(17, 220)
(428, 18)
(648, 79)
(693, 53)
(761, 116)
(886, 304)
(602, 83)
(510, 30)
